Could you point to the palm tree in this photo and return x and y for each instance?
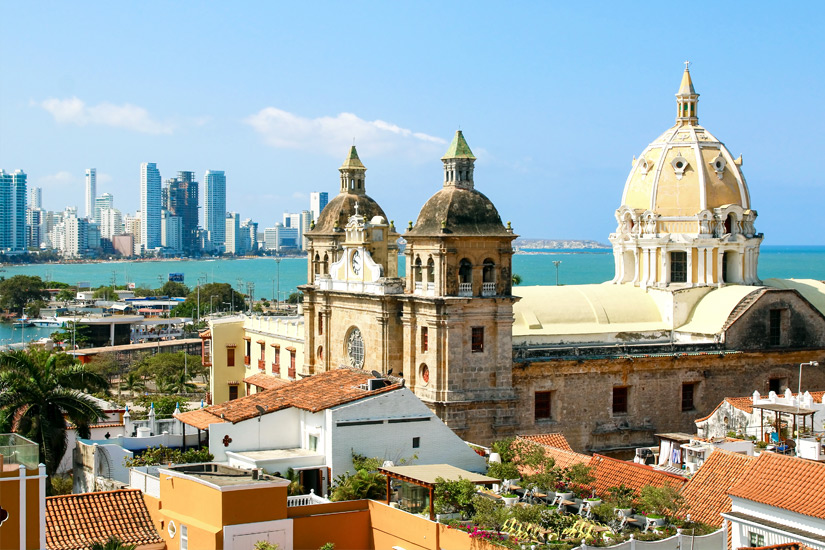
(113, 543)
(516, 279)
(133, 383)
(177, 383)
(37, 397)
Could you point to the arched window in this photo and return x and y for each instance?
(430, 270)
(317, 264)
(729, 223)
(325, 264)
(489, 272)
(417, 270)
(465, 271)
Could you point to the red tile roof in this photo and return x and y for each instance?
(563, 458)
(316, 393)
(785, 482)
(75, 522)
(611, 472)
(200, 418)
(265, 381)
(706, 494)
(784, 546)
(549, 440)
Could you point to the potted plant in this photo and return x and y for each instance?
(621, 498)
(503, 471)
(452, 499)
(579, 477)
(660, 504)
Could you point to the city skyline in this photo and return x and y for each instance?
(558, 102)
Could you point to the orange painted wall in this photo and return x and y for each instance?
(193, 499)
(348, 530)
(254, 505)
(32, 510)
(10, 501)
(405, 529)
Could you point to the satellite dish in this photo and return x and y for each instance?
(261, 410)
(377, 374)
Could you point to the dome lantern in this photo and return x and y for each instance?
(458, 162)
(353, 174)
(687, 100)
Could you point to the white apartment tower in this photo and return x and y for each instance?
(91, 192)
(106, 200)
(317, 201)
(150, 205)
(214, 206)
(35, 198)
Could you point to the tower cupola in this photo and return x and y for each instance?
(353, 174)
(687, 100)
(458, 163)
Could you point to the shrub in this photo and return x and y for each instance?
(453, 496)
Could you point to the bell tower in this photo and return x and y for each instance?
(458, 306)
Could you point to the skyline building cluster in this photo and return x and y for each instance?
(166, 223)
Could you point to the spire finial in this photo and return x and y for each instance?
(687, 65)
(356, 208)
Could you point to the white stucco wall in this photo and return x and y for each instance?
(394, 440)
(740, 531)
(276, 430)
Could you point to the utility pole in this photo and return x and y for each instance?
(556, 263)
(278, 294)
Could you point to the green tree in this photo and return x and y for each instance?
(490, 514)
(81, 334)
(220, 296)
(453, 496)
(165, 405)
(516, 279)
(664, 501)
(165, 368)
(33, 308)
(113, 543)
(105, 364)
(295, 298)
(361, 485)
(164, 455)
(177, 383)
(66, 295)
(133, 383)
(174, 289)
(36, 398)
(104, 293)
(16, 292)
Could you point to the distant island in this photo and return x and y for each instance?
(543, 244)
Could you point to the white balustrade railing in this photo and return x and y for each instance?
(465, 289)
(488, 289)
(305, 500)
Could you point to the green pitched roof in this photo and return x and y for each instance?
(458, 148)
(352, 162)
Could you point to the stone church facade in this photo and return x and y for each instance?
(684, 323)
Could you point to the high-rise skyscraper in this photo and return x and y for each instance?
(106, 200)
(13, 211)
(317, 201)
(91, 192)
(214, 206)
(233, 242)
(35, 198)
(150, 205)
(180, 198)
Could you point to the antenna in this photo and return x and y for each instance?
(261, 410)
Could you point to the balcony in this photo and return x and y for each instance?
(15, 450)
(291, 373)
(465, 289)
(246, 360)
(305, 500)
(261, 365)
(488, 289)
(276, 368)
(419, 286)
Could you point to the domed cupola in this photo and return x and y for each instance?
(685, 218)
(326, 236)
(460, 215)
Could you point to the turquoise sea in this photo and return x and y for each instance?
(535, 267)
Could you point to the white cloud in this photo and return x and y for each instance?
(61, 178)
(334, 135)
(126, 116)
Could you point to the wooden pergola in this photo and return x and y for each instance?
(425, 476)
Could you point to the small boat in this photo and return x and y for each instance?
(48, 322)
(22, 322)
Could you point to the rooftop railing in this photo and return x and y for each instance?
(16, 449)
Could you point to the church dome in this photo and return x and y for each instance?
(686, 170)
(458, 209)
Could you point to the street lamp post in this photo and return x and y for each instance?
(211, 310)
(278, 294)
(556, 263)
(799, 396)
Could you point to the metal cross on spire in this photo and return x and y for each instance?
(687, 65)
(356, 208)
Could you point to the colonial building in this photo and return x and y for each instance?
(685, 322)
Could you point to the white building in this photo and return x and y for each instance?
(91, 192)
(35, 197)
(111, 222)
(314, 426)
(106, 200)
(317, 201)
(150, 206)
(779, 501)
(214, 206)
(171, 229)
(278, 237)
(75, 236)
(233, 244)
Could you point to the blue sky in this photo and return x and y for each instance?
(555, 100)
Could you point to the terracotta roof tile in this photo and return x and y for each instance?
(265, 381)
(706, 494)
(109, 425)
(205, 334)
(784, 546)
(611, 472)
(563, 457)
(315, 393)
(75, 522)
(785, 482)
(200, 418)
(556, 440)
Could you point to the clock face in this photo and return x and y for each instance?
(355, 348)
(356, 262)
